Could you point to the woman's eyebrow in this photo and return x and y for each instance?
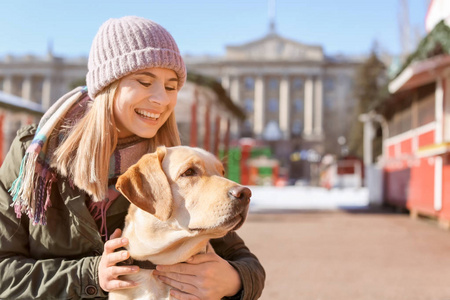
(147, 74)
(154, 76)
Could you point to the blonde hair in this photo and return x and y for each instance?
(85, 154)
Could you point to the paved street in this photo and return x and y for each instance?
(344, 255)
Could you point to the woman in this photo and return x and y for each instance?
(58, 203)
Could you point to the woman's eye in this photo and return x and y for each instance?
(189, 172)
(170, 88)
(146, 84)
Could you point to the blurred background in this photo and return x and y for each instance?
(275, 88)
(317, 105)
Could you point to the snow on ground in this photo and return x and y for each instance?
(308, 198)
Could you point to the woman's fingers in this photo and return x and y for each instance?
(116, 257)
(182, 296)
(116, 234)
(114, 244)
(179, 285)
(180, 268)
(115, 272)
(120, 285)
(108, 272)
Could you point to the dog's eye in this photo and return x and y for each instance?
(189, 172)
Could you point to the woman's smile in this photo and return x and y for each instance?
(147, 115)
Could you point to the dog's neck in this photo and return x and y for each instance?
(172, 247)
(148, 265)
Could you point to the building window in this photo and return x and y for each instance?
(273, 84)
(249, 83)
(298, 105)
(273, 105)
(401, 122)
(37, 87)
(426, 105)
(17, 86)
(297, 127)
(329, 84)
(249, 105)
(247, 128)
(298, 83)
(329, 102)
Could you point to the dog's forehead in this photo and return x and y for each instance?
(181, 155)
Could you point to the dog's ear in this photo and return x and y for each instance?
(145, 185)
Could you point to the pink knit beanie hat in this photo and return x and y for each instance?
(126, 45)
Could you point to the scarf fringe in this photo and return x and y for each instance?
(32, 188)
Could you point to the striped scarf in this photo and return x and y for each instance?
(32, 188)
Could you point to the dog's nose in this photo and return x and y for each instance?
(241, 193)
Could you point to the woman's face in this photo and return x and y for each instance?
(144, 101)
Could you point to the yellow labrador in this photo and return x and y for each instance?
(179, 201)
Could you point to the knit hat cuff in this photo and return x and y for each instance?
(118, 67)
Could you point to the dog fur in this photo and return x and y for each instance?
(179, 201)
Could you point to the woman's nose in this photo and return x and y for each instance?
(159, 95)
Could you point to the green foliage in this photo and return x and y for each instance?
(370, 89)
(435, 43)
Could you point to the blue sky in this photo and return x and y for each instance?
(207, 26)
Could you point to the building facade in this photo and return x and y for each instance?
(41, 80)
(29, 85)
(295, 97)
(15, 113)
(417, 151)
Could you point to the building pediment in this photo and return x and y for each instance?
(275, 47)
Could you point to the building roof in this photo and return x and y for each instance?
(420, 73)
(274, 47)
(19, 104)
(437, 42)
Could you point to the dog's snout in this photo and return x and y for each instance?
(240, 192)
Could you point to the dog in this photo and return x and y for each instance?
(179, 200)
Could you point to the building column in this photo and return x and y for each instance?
(258, 118)
(27, 85)
(285, 119)
(235, 89)
(308, 119)
(439, 111)
(368, 135)
(226, 83)
(8, 84)
(438, 164)
(235, 126)
(318, 100)
(47, 93)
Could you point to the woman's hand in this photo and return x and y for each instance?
(203, 276)
(108, 272)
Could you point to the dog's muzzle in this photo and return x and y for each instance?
(241, 194)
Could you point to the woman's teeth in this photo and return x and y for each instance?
(148, 115)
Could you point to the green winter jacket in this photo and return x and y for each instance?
(60, 260)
